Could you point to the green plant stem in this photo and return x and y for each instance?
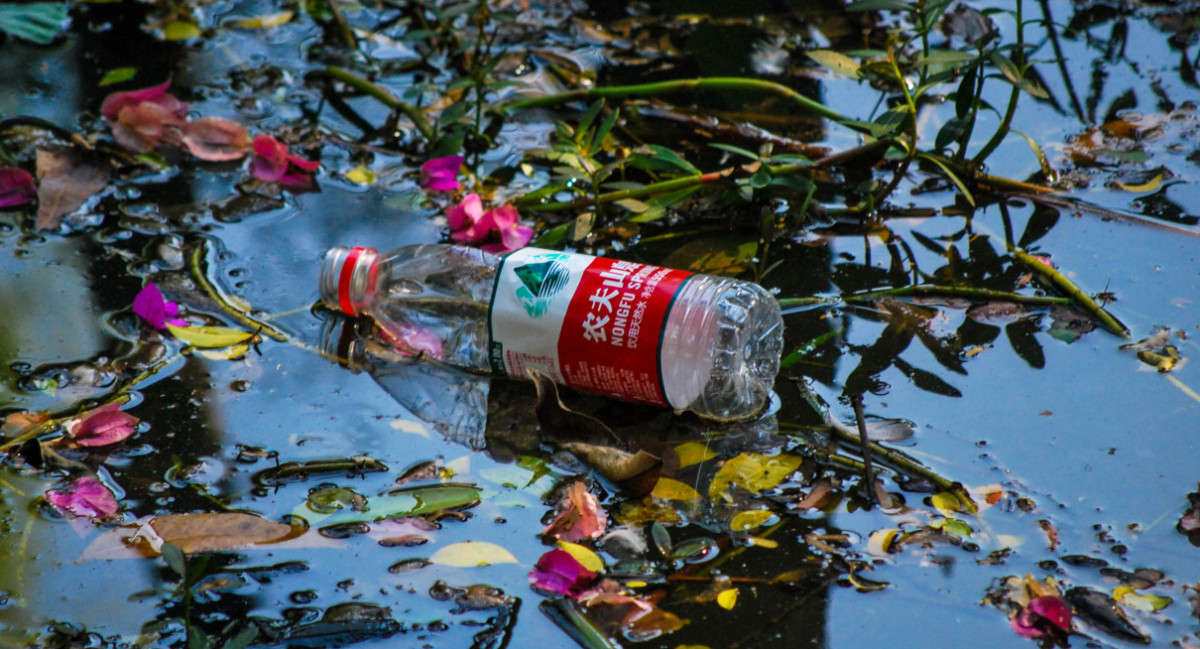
(386, 98)
(195, 264)
(343, 27)
(967, 292)
(738, 84)
(1062, 283)
(640, 192)
(1006, 122)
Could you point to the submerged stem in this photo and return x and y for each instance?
(386, 98)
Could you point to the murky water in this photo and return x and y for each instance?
(1090, 447)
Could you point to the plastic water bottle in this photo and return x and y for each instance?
(689, 341)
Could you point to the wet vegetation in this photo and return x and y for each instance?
(974, 214)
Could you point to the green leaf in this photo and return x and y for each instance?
(180, 30)
(733, 149)
(406, 502)
(950, 132)
(835, 62)
(654, 156)
(879, 5)
(209, 337)
(174, 558)
(962, 187)
(118, 75)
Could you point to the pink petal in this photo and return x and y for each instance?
(559, 572)
(465, 213)
(304, 164)
(85, 496)
(413, 340)
(1052, 609)
(154, 309)
(116, 101)
(270, 158)
(216, 139)
(439, 174)
(140, 127)
(579, 517)
(16, 187)
(102, 426)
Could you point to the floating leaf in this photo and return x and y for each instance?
(579, 516)
(117, 75)
(953, 526)
(225, 353)
(1145, 602)
(209, 337)
(752, 472)
(690, 453)
(1148, 186)
(39, 22)
(583, 555)
(412, 501)
(361, 175)
(213, 532)
(882, 542)
(180, 30)
(744, 521)
(671, 489)
(65, 182)
(727, 598)
(469, 554)
(265, 20)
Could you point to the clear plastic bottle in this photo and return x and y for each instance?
(695, 342)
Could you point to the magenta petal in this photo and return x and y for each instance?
(85, 496)
(465, 214)
(440, 174)
(105, 425)
(16, 187)
(1052, 609)
(559, 572)
(154, 309)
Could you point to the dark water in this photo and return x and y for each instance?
(1082, 437)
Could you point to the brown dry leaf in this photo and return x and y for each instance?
(613, 463)
(1051, 533)
(219, 532)
(65, 181)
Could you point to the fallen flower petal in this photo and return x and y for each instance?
(559, 572)
(216, 140)
(1042, 616)
(272, 163)
(16, 187)
(85, 496)
(413, 340)
(495, 231)
(579, 517)
(157, 95)
(105, 425)
(440, 174)
(141, 127)
(155, 309)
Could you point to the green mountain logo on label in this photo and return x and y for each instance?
(541, 278)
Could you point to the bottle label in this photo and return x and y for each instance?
(591, 323)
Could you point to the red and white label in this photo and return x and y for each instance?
(591, 323)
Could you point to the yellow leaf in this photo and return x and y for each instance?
(753, 472)
(727, 598)
(670, 489)
(180, 30)
(469, 554)
(946, 503)
(1144, 602)
(1147, 186)
(881, 541)
(265, 20)
(764, 542)
(360, 175)
(228, 353)
(690, 453)
(209, 337)
(744, 521)
(583, 555)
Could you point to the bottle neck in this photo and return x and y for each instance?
(348, 277)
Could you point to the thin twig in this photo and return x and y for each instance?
(966, 292)
(1072, 290)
